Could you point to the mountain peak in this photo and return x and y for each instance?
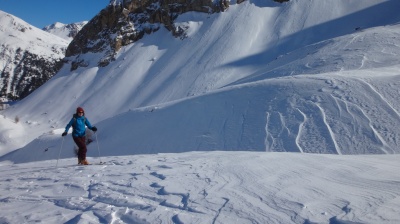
(65, 31)
(29, 56)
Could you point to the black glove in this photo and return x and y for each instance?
(64, 134)
(94, 129)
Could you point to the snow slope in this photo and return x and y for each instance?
(205, 187)
(28, 57)
(16, 33)
(18, 37)
(296, 83)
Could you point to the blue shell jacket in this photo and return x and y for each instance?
(78, 124)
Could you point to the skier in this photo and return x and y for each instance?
(78, 123)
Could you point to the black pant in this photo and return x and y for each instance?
(81, 143)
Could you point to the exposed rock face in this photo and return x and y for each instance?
(24, 73)
(28, 57)
(126, 21)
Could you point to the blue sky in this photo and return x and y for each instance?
(41, 13)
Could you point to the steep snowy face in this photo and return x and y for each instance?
(65, 31)
(124, 22)
(28, 57)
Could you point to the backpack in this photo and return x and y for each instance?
(88, 135)
(74, 117)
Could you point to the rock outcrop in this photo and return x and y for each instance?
(28, 57)
(25, 72)
(124, 22)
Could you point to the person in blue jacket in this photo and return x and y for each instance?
(78, 124)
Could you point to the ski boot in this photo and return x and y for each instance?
(84, 162)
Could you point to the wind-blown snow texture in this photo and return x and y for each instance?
(303, 76)
(205, 187)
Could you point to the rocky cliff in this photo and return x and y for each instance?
(28, 57)
(24, 72)
(124, 22)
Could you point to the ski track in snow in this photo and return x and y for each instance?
(342, 109)
(332, 135)
(381, 97)
(301, 127)
(387, 108)
(213, 187)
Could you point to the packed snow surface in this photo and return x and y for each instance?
(204, 187)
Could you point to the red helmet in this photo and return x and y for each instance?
(80, 109)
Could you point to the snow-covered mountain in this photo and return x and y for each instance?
(65, 31)
(28, 57)
(301, 76)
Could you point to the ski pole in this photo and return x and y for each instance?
(98, 147)
(59, 153)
